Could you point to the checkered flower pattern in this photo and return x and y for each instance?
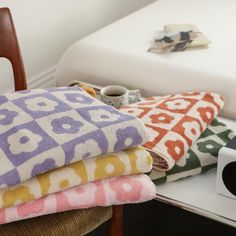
(131, 161)
(112, 191)
(174, 123)
(201, 157)
(47, 128)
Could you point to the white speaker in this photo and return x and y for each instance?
(226, 170)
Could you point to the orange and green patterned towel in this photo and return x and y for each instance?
(174, 123)
(131, 161)
(201, 157)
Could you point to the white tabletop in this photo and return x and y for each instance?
(198, 194)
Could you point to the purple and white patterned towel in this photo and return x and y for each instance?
(45, 129)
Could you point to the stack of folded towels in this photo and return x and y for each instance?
(185, 134)
(61, 149)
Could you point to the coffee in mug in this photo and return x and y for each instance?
(117, 96)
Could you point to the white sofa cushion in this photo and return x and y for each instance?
(117, 54)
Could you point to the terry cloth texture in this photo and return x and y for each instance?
(114, 191)
(175, 122)
(201, 157)
(130, 161)
(44, 129)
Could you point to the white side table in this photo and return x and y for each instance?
(198, 194)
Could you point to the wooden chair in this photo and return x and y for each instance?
(77, 222)
(9, 48)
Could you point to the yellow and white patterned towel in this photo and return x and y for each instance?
(131, 161)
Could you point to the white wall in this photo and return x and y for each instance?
(46, 28)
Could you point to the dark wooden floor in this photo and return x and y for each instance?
(159, 219)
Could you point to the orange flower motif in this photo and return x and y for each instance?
(175, 149)
(156, 134)
(136, 111)
(189, 128)
(178, 105)
(207, 114)
(215, 99)
(162, 118)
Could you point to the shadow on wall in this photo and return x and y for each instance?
(47, 28)
(6, 82)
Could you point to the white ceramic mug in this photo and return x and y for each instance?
(117, 96)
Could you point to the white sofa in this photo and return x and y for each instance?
(117, 54)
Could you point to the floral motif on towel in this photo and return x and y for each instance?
(114, 191)
(130, 161)
(63, 125)
(7, 116)
(175, 122)
(201, 157)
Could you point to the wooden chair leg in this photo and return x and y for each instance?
(115, 224)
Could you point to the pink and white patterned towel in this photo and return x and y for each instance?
(114, 191)
(174, 123)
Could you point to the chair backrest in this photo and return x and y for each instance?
(9, 48)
